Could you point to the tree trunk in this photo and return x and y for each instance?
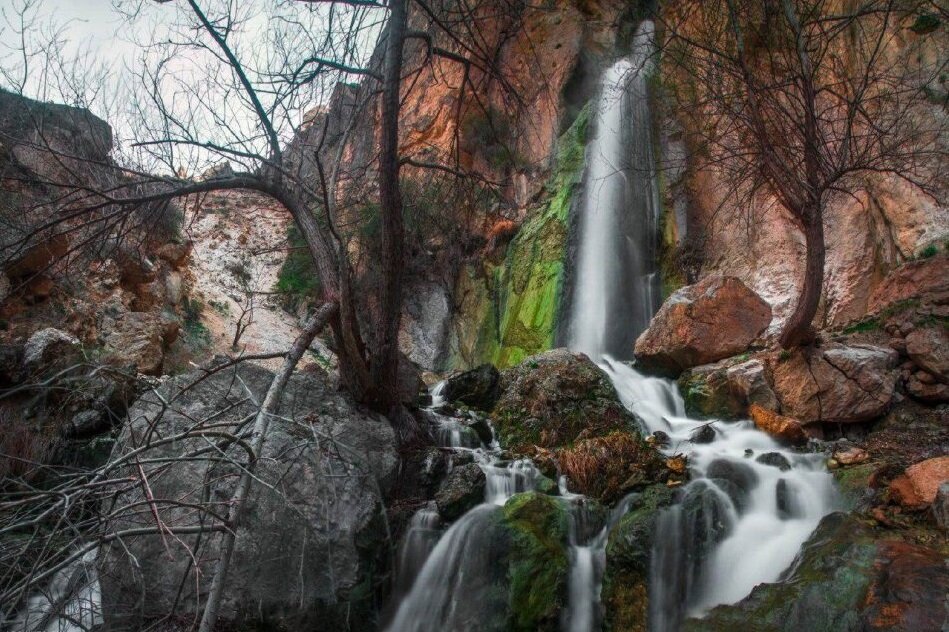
(798, 330)
(384, 366)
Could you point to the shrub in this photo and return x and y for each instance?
(297, 280)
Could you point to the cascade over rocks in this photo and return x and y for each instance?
(844, 580)
(835, 383)
(714, 319)
(319, 510)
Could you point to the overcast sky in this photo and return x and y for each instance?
(111, 50)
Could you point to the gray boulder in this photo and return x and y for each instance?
(312, 534)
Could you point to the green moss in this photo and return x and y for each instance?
(853, 482)
(297, 280)
(538, 566)
(925, 24)
(863, 326)
(628, 551)
(514, 313)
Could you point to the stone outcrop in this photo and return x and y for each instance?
(714, 319)
(918, 486)
(726, 389)
(554, 399)
(317, 508)
(835, 383)
(922, 279)
(478, 388)
(928, 347)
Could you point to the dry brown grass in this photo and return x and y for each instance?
(610, 466)
(22, 448)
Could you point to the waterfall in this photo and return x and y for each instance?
(615, 284)
(751, 503)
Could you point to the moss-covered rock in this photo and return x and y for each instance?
(555, 398)
(509, 309)
(825, 591)
(628, 549)
(538, 565)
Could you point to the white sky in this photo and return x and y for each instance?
(97, 32)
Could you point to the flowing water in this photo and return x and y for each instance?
(751, 503)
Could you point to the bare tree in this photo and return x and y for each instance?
(808, 100)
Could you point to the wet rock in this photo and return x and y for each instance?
(607, 468)
(318, 509)
(788, 500)
(478, 388)
(538, 564)
(774, 459)
(716, 318)
(835, 383)
(778, 426)
(49, 347)
(461, 490)
(739, 479)
(629, 550)
(844, 580)
(940, 506)
(725, 389)
(851, 456)
(918, 486)
(555, 398)
(703, 434)
(482, 428)
(928, 347)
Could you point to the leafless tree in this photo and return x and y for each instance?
(806, 101)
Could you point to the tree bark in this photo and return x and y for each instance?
(384, 367)
(798, 330)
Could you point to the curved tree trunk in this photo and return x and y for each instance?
(798, 330)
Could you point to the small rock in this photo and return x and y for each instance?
(940, 506)
(461, 490)
(659, 438)
(787, 498)
(478, 388)
(775, 459)
(703, 434)
(47, 346)
(86, 423)
(482, 428)
(778, 426)
(851, 456)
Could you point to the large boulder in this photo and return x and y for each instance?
(553, 399)
(928, 347)
(918, 486)
(727, 388)
(461, 490)
(478, 388)
(835, 383)
(139, 339)
(844, 581)
(716, 318)
(313, 527)
(50, 348)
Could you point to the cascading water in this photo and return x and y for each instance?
(751, 503)
(615, 284)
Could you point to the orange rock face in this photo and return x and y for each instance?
(778, 426)
(917, 488)
(716, 318)
(923, 278)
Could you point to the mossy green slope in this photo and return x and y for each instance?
(509, 309)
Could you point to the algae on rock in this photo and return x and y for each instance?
(508, 310)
